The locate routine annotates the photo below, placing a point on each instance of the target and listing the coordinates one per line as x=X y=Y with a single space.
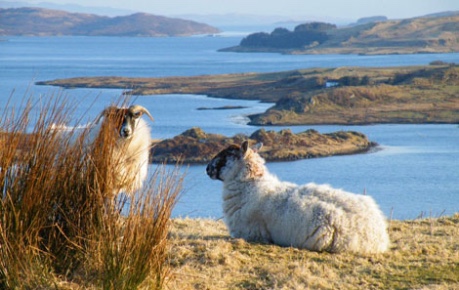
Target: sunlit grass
x=424 y=255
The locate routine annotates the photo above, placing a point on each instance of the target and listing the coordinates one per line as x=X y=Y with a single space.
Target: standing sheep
x=259 y=207
x=118 y=144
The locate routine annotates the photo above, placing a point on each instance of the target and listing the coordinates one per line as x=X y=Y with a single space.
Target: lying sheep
x=258 y=207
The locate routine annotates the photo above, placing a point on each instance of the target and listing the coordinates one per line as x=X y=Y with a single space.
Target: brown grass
x=58 y=226
x=424 y=255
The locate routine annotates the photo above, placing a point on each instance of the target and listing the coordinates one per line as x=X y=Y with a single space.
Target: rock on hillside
x=47 y=22
x=196 y=146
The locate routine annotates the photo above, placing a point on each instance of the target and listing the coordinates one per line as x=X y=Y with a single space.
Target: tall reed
x=58 y=218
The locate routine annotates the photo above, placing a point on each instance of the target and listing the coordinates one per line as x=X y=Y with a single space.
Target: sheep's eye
x=137 y=115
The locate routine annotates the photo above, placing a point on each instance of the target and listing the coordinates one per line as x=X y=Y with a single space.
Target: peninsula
x=344 y=95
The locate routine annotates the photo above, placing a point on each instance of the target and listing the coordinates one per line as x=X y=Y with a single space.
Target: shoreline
x=371 y=51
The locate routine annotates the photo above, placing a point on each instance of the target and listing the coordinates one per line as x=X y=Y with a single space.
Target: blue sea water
x=416 y=172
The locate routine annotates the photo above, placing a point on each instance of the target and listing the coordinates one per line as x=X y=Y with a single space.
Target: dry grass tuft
x=58 y=226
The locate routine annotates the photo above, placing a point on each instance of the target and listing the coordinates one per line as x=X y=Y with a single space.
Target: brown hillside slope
x=415 y=35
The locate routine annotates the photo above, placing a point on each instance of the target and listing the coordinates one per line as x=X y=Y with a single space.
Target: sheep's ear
x=257 y=147
x=244 y=147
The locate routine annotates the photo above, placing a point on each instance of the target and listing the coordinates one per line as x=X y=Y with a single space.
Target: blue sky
x=346 y=9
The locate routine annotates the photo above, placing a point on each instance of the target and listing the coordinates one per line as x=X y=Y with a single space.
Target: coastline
x=359 y=95
x=343 y=50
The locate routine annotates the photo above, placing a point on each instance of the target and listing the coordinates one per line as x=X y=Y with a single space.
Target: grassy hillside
x=424 y=255
x=368 y=96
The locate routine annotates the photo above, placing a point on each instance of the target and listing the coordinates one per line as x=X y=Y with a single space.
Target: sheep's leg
x=319 y=240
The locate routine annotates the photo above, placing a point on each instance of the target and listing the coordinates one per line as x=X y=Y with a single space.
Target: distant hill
x=371 y=19
x=428 y=34
x=69 y=7
x=47 y=22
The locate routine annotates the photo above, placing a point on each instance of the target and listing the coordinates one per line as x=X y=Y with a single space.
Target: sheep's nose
x=210 y=170
x=125 y=132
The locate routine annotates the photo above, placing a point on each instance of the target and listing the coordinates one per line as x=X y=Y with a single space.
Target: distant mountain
x=47 y=22
x=76 y=8
x=429 y=34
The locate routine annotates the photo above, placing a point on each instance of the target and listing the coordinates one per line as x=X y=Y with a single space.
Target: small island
x=197 y=146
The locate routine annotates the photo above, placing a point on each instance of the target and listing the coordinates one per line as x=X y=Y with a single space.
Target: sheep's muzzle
x=212 y=171
x=216 y=165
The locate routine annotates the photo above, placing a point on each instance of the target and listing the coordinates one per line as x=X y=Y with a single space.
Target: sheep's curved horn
x=141 y=109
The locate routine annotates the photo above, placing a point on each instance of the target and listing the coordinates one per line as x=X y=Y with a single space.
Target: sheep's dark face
x=237 y=159
x=130 y=121
x=125 y=120
x=223 y=162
